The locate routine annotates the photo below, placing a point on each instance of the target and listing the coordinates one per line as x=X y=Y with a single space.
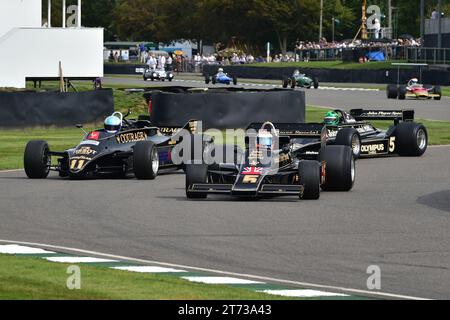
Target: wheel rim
x=421 y=139
x=155 y=161
x=356 y=145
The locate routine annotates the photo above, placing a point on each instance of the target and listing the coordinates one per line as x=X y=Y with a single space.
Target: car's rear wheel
x=293 y=83
x=213 y=79
x=285 y=83
x=411 y=139
x=145 y=160
x=437 y=90
x=36 y=159
x=309 y=178
x=402 y=92
x=392 y=91
x=316 y=83
x=349 y=137
x=235 y=80
x=196 y=173
x=340 y=171
x=207 y=79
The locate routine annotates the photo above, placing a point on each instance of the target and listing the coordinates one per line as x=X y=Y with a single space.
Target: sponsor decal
x=85 y=151
x=332 y=133
x=384 y=114
x=252 y=171
x=94 y=135
x=131 y=137
x=168 y=130
x=89 y=142
x=373 y=148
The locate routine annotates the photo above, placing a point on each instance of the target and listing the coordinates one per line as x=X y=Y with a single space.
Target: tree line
x=249 y=23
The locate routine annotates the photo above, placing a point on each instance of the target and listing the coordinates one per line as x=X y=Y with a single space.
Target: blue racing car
x=221 y=77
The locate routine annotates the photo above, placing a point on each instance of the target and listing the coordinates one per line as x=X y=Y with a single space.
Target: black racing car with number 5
x=404 y=138
x=122 y=147
x=282 y=159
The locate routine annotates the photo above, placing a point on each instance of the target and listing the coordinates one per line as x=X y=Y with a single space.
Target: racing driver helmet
x=332 y=118
x=113 y=123
x=264 y=140
x=413 y=82
x=220 y=70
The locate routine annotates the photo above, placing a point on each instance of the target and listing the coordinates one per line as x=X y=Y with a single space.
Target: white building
x=29 y=50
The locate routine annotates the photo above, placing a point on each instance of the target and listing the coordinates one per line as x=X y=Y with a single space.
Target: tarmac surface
x=396 y=217
x=329 y=95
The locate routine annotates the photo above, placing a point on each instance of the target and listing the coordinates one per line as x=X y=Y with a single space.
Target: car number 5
x=391 y=144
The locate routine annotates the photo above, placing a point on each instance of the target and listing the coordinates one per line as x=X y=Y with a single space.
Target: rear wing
x=295 y=130
x=395 y=115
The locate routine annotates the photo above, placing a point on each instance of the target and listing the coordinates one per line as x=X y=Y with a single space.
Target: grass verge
x=12 y=142
x=27 y=278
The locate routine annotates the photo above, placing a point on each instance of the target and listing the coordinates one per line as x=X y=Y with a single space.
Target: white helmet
x=220 y=69
x=413 y=81
x=113 y=123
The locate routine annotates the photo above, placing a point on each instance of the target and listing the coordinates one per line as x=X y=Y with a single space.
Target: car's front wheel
x=309 y=178
x=340 y=171
x=196 y=173
x=145 y=160
x=36 y=159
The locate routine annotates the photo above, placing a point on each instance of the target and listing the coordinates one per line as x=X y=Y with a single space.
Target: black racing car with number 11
x=122 y=147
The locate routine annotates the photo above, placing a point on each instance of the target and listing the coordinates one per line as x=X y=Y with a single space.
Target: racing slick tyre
x=145 y=160
x=196 y=173
x=207 y=79
x=36 y=159
x=349 y=137
x=316 y=83
x=411 y=139
x=213 y=79
x=309 y=178
x=145 y=78
x=234 y=80
x=339 y=168
x=392 y=91
x=293 y=83
x=402 y=92
x=437 y=90
x=285 y=83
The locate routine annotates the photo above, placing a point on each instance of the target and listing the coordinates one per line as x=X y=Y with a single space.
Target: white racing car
x=158 y=74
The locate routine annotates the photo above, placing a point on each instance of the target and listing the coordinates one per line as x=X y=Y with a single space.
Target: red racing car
x=413 y=90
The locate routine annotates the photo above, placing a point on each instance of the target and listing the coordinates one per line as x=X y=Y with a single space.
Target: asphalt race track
x=397 y=217
x=333 y=97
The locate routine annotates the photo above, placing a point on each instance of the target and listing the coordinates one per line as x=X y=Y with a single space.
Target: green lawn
x=331 y=65
x=34 y=278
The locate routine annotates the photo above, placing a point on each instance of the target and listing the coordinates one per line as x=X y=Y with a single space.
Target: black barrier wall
x=137 y=69
x=335 y=75
x=28 y=109
x=227 y=109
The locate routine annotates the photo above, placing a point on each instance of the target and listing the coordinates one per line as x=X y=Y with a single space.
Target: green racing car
x=301 y=80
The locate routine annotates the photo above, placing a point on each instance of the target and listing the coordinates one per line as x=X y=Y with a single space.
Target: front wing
x=268 y=190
